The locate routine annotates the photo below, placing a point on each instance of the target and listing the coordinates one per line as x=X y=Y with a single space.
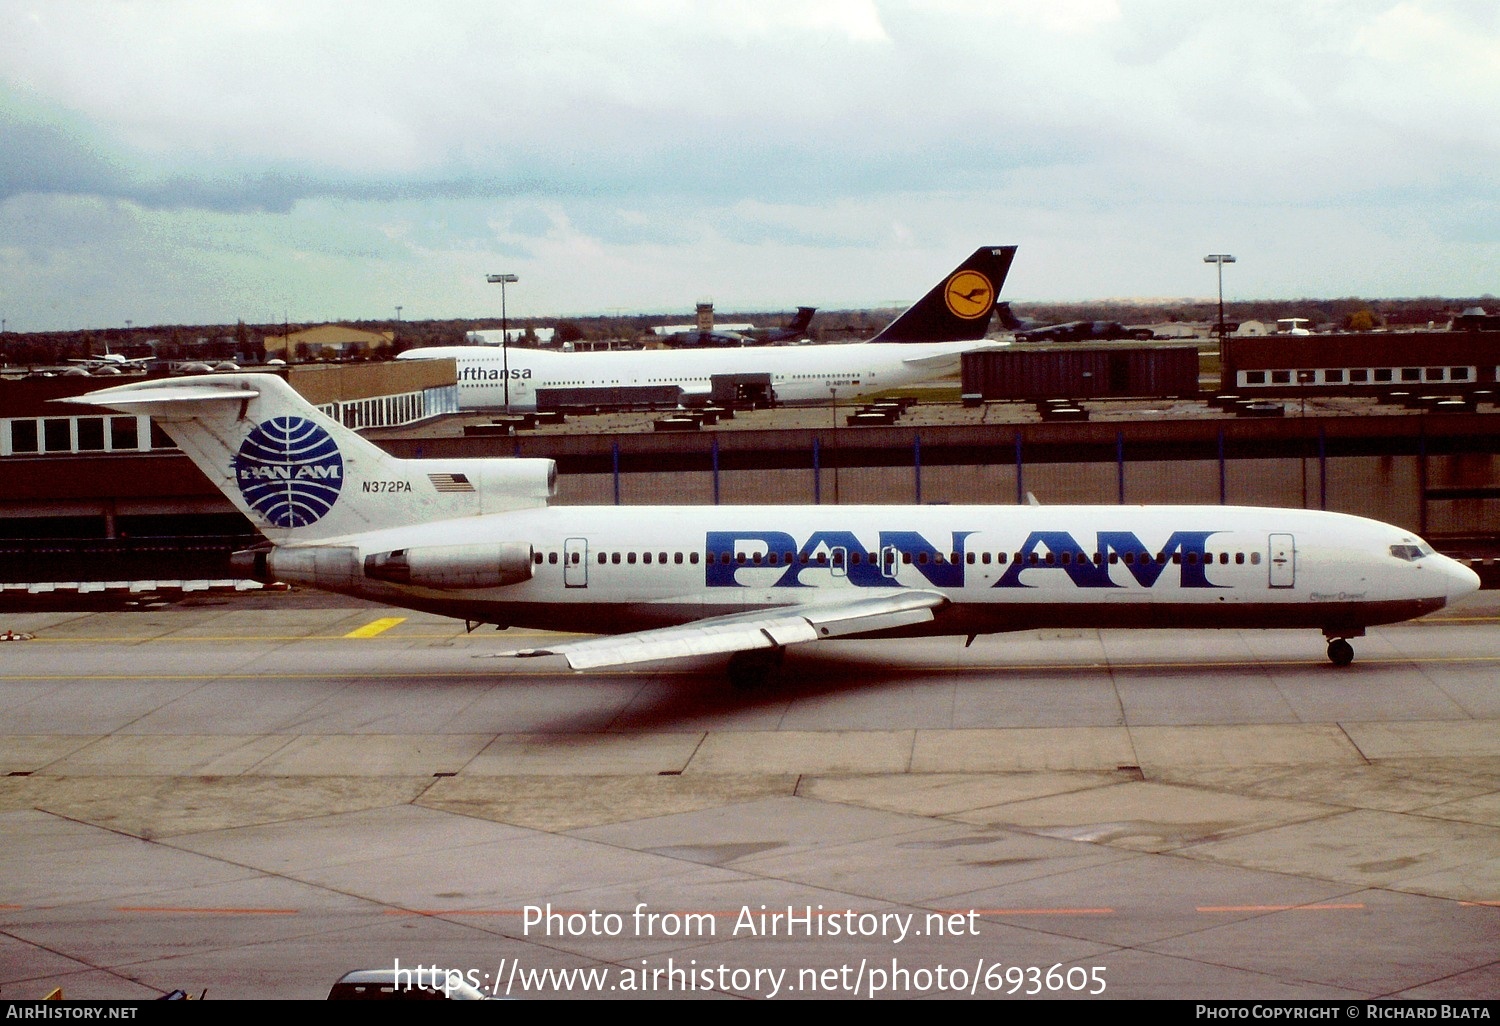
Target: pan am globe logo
x=289 y=470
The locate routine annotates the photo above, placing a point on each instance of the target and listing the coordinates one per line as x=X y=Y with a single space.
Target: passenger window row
x=907 y=559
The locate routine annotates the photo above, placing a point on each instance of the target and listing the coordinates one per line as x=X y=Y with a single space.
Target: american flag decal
x=450 y=482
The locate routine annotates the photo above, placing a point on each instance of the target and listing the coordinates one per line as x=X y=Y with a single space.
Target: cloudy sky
x=182 y=161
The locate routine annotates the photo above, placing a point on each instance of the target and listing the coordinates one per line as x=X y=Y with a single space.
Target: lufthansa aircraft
x=925 y=342
x=476 y=539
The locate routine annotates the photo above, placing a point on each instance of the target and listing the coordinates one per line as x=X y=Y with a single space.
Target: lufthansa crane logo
x=969 y=295
x=290 y=471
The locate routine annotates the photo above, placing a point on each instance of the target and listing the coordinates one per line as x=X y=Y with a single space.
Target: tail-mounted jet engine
x=453 y=567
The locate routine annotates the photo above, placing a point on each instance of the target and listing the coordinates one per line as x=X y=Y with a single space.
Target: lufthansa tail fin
x=958 y=308
x=300 y=476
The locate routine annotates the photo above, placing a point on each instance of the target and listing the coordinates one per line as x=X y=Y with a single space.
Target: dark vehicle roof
x=382 y=985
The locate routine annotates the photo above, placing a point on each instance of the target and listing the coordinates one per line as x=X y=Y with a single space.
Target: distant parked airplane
x=795 y=329
x=112 y=362
x=1068 y=331
x=925 y=342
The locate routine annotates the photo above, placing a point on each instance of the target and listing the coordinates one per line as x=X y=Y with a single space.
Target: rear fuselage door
x=576 y=563
x=1283 y=559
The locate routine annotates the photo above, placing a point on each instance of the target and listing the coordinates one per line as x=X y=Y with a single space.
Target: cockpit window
x=1411 y=553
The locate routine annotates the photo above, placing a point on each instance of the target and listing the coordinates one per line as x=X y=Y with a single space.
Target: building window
x=23 y=436
x=90 y=434
x=57 y=435
x=123 y=434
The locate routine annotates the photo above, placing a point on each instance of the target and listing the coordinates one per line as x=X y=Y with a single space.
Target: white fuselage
x=799 y=374
x=613 y=569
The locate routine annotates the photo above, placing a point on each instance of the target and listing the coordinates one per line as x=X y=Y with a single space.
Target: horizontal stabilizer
x=163 y=396
x=952 y=358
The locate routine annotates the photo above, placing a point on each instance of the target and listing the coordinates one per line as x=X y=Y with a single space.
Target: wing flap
x=746 y=632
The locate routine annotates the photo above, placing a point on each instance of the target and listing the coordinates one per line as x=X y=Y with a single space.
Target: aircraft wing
x=743 y=632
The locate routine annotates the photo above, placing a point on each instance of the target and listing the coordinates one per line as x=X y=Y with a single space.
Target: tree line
x=245 y=343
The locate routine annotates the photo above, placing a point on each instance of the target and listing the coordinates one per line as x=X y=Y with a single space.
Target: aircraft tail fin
x=958 y=308
x=804 y=317
x=300 y=476
x=1008 y=320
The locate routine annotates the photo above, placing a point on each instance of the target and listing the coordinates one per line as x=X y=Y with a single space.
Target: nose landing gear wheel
x=1340 y=652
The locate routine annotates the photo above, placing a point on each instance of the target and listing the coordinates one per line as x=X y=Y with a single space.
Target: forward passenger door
x=1283 y=560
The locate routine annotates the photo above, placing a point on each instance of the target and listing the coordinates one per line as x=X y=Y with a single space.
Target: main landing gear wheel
x=753 y=669
x=1340 y=652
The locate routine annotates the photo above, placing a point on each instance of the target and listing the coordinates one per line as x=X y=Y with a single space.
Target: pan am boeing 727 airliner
x=476 y=539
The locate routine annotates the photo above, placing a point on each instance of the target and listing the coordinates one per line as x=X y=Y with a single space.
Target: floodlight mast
x=502 y=280
x=1221 y=259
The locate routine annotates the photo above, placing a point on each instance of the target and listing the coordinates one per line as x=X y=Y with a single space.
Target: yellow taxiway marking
x=375 y=627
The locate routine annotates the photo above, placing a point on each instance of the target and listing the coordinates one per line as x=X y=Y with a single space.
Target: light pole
x=1221 y=259
x=503 y=280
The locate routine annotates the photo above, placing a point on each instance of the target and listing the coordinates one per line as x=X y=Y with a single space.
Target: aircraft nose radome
x=1461 y=580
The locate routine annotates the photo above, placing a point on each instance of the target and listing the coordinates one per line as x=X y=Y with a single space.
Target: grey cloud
x=44 y=158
